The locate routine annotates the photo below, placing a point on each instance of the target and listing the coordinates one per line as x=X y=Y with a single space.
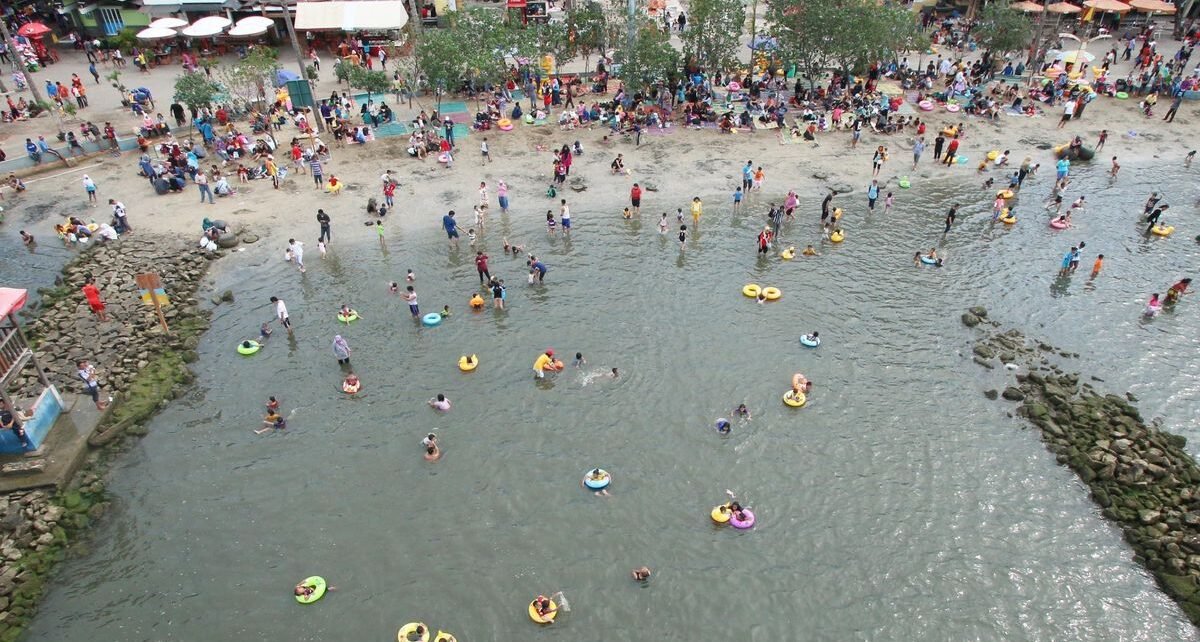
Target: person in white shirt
x=296 y=249
x=281 y=313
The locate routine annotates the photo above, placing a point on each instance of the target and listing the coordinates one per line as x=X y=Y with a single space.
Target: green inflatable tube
x=317 y=584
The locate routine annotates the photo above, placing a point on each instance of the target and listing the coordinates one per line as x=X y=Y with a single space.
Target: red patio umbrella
x=33 y=30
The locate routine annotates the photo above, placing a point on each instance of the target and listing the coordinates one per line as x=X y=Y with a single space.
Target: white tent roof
x=351 y=16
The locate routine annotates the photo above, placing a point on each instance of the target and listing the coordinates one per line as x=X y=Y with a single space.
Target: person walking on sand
x=877 y=160
x=952 y=150
x=323 y=219
x=1175 y=103
x=1103 y=137
x=318 y=174
x=202 y=185
x=89 y=186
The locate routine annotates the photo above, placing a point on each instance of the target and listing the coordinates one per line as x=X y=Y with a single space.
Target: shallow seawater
x=899 y=504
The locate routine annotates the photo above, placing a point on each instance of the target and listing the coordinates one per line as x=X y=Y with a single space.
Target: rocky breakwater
x=1140 y=476
x=142 y=366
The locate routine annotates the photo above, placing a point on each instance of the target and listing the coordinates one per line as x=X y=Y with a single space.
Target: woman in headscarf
x=341 y=350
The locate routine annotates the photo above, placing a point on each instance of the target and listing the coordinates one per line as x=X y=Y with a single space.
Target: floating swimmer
x=273 y=421
x=543 y=610
x=1154 y=306
x=440 y=402
x=809 y=251
x=742 y=411
x=311 y=589
x=445 y=311
x=433 y=451
x=597 y=480
x=723 y=426
x=800 y=383
x=351 y=385
x=641 y=574
x=811 y=340
x=347 y=314
x=476 y=302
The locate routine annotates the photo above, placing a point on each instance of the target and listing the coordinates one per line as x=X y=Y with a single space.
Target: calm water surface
x=899 y=505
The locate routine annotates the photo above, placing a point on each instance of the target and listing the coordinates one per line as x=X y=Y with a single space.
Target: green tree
x=651 y=60
x=1002 y=29
x=587 y=27
x=195 y=90
x=799 y=31
x=248 y=78
x=861 y=32
x=714 y=33
x=372 y=82
x=442 y=60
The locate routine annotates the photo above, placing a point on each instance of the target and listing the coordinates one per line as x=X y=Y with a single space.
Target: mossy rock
x=72 y=499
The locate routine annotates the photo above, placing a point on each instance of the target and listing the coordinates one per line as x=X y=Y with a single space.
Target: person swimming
x=815 y=337
x=347 y=311
x=641 y=574
x=273 y=421
x=809 y=251
x=742 y=411
x=476 y=302
x=351 y=384
x=445 y=311
x=433 y=451
x=723 y=426
x=1154 y=306
x=579 y=360
x=440 y=402
x=264 y=332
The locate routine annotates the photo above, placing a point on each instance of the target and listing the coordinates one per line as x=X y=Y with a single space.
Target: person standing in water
x=635 y=199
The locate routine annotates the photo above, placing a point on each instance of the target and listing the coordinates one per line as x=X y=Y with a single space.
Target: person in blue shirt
x=537 y=267
x=51 y=90
x=737 y=199
x=872 y=194
x=33 y=151
x=748 y=176
x=451 y=227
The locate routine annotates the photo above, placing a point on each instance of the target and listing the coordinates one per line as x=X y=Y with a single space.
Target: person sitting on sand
x=618 y=164
x=440 y=402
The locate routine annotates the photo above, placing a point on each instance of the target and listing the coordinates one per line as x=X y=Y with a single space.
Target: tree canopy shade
x=651 y=59
x=848 y=35
x=587 y=28
x=474 y=49
x=1001 y=28
x=372 y=82
x=195 y=90
x=714 y=33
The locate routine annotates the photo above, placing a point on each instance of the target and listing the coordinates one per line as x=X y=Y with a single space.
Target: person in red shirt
x=110 y=134
x=297 y=158
x=952 y=150
x=389 y=191
x=481 y=266
x=92 y=293
x=635 y=199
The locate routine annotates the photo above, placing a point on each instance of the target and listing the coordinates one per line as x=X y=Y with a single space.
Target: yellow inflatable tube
x=794 y=399
x=468 y=364
x=720 y=514
x=772 y=293
x=406 y=631
x=837 y=237
x=751 y=290
x=788 y=254
x=533 y=614
x=442 y=636
x=1162 y=230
